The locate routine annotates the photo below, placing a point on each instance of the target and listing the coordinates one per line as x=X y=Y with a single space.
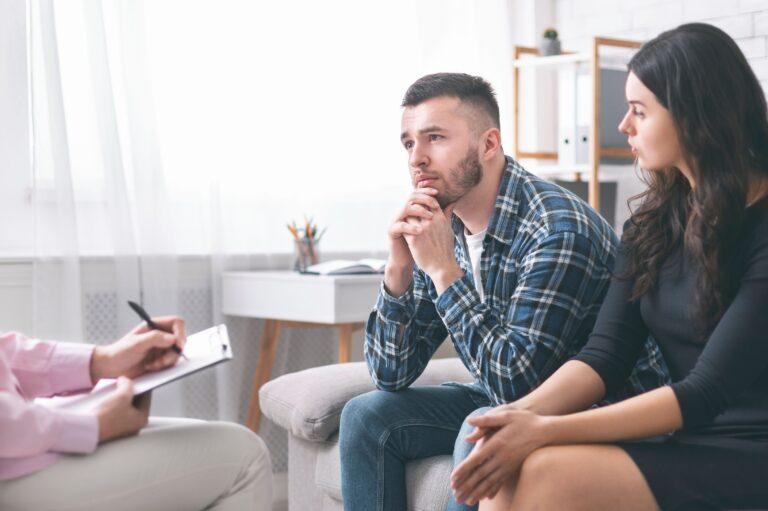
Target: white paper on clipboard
x=203 y=349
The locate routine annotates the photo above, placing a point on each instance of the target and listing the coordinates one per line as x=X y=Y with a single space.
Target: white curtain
x=293 y=106
x=171 y=129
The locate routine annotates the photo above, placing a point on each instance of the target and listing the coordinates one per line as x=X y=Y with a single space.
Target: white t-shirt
x=475 y=247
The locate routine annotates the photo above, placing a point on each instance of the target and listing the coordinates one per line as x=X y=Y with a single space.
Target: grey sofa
x=308 y=404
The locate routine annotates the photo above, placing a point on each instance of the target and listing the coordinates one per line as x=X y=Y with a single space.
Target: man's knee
x=462 y=448
x=363 y=418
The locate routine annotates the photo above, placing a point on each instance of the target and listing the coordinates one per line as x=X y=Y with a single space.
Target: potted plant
x=550 y=44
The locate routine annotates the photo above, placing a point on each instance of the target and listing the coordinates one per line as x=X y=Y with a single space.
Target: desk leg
x=345 y=341
x=263 y=369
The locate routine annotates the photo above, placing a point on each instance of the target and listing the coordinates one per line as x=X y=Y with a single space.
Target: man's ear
x=490 y=143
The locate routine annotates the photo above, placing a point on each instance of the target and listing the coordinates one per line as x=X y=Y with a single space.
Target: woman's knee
x=581 y=477
x=550 y=476
x=540 y=466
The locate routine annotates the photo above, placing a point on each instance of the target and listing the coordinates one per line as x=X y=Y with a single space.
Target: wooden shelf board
x=557 y=170
x=606 y=61
x=552 y=60
x=616 y=152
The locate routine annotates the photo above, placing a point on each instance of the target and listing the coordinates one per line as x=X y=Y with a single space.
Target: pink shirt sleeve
x=31 y=368
x=45 y=368
x=27 y=429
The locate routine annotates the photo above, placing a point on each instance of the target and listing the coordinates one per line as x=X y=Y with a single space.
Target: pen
x=293 y=231
x=152 y=325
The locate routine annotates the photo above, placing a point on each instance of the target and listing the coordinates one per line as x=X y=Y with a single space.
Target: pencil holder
x=305 y=253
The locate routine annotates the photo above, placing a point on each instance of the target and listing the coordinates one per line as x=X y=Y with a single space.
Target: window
x=251 y=114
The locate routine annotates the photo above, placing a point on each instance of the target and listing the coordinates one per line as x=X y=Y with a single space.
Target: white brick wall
x=744 y=20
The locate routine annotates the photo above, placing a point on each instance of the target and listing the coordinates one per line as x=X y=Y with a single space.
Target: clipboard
x=203 y=350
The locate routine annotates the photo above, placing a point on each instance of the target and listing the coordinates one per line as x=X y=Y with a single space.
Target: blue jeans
x=461 y=450
x=381 y=431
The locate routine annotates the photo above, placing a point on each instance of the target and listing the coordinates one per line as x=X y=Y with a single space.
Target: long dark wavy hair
x=698 y=73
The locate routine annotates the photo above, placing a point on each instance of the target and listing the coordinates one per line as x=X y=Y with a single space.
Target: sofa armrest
x=308 y=403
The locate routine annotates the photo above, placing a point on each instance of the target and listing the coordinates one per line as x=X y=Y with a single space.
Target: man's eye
x=434 y=137
x=408 y=144
x=638 y=113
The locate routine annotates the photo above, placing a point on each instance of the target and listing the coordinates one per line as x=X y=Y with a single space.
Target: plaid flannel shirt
x=545 y=268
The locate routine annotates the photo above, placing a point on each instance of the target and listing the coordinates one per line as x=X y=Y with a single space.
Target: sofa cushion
x=308 y=403
x=426 y=479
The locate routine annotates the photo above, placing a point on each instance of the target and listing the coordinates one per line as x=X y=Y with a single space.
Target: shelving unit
x=596 y=151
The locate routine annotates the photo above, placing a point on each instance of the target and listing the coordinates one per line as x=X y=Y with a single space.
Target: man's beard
x=461 y=179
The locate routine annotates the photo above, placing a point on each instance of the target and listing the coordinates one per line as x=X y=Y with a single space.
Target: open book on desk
x=346 y=267
x=203 y=349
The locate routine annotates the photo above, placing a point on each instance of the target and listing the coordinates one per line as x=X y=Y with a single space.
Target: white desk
x=288 y=299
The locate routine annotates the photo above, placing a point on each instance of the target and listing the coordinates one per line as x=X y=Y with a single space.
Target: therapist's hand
x=141 y=350
x=119 y=416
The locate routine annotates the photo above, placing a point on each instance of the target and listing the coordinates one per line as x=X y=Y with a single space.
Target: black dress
x=719 y=459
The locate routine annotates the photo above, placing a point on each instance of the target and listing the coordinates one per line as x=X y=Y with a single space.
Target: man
x=57 y=459
x=511 y=267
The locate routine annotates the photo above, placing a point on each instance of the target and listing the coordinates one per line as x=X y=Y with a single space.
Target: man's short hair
x=472 y=90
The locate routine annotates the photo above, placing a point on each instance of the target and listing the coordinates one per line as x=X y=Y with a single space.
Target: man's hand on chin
x=432 y=248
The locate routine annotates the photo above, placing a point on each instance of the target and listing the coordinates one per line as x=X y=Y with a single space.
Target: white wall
x=537 y=112
x=744 y=20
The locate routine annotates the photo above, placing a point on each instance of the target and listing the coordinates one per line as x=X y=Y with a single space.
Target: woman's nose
x=625 y=124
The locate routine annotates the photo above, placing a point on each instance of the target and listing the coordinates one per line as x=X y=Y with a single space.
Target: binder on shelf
x=583 y=114
x=566 y=116
x=575 y=113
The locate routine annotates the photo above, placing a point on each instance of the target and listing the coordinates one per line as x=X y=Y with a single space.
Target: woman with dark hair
x=692 y=272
